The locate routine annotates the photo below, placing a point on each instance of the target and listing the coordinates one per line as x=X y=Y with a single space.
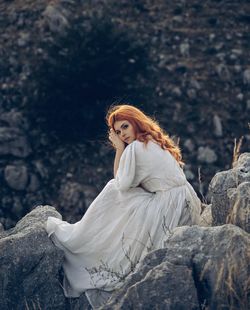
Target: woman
x=135 y=212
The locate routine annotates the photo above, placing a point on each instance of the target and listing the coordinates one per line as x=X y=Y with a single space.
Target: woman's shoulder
x=139 y=146
x=135 y=147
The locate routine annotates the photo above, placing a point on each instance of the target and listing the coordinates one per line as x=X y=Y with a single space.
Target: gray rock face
x=206 y=155
x=13 y=142
x=16 y=176
x=26 y=268
x=217 y=126
x=196 y=261
x=55 y=18
x=14 y=118
x=71 y=195
x=220 y=190
x=246 y=77
x=199 y=267
x=30 y=265
x=240 y=206
x=206 y=216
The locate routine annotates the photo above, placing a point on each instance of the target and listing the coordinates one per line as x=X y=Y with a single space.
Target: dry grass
x=35 y=306
x=204 y=200
x=236 y=151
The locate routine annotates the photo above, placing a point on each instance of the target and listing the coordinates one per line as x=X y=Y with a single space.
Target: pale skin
x=123 y=134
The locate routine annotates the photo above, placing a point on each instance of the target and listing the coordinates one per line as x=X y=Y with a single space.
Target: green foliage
x=84 y=71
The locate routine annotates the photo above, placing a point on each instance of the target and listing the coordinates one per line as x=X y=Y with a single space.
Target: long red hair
x=145 y=128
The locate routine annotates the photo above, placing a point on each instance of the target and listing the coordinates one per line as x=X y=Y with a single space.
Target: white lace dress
x=132 y=215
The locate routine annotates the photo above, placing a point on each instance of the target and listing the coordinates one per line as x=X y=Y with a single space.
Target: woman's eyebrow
x=121 y=125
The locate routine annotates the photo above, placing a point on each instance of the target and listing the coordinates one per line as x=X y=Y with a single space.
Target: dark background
x=63 y=63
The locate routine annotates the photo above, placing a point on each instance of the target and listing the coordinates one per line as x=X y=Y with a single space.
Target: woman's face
x=125 y=131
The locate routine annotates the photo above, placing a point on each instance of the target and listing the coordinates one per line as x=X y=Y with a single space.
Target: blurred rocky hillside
x=63 y=62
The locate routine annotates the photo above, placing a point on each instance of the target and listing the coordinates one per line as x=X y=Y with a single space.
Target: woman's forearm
x=118 y=155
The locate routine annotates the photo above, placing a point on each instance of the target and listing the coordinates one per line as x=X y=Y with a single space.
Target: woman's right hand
x=116 y=141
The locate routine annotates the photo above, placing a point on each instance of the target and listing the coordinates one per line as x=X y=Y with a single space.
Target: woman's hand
x=116 y=141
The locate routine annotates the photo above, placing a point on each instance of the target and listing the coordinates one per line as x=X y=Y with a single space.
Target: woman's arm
x=119 y=146
x=118 y=155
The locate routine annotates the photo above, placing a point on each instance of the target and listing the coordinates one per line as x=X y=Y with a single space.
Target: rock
x=14 y=118
x=206 y=216
x=198 y=266
x=90 y=193
x=17 y=208
x=23 y=40
x=191 y=92
x=237 y=68
x=16 y=176
x=246 y=77
x=160 y=289
x=240 y=96
x=207 y=257
x=189 y=145
x=239 y=213
x=30 y=265
x=219 y=46
x=248 y=104
x=71 y=195
x=184 y=49
x=13 y=142
x=206 y=155
x=177 y=91
x=221 y=186
x=223 y=72
x=212 y=37
x=34 y=183
x=41 y=169
x=195 y=84
x=189 y=174
x=217 y=126
x=55 y=19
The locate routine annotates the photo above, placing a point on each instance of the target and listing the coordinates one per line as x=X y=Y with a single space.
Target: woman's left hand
x=116 y=141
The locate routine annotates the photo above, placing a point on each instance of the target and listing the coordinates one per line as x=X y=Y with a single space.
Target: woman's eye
x=125 y=126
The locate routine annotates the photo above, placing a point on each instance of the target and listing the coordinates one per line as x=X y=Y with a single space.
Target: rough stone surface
x=199 y=267
x=217 y=126
x=30 y=266
x=16 y=176
x=206 y=216
x=198 y=67
x=71 y=197
x=220 y=190
x=14 y=118
x=239 y=213
x=206 y=155
x=214 y=261
x=13 y=142
x=55 y=18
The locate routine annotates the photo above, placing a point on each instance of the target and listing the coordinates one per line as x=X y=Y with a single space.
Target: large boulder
x=221 y=190
x=13 y=142
x=240 y=206
x=30 y=266
x=199 y=268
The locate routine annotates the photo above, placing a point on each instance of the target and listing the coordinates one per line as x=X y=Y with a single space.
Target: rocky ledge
x=200 y=267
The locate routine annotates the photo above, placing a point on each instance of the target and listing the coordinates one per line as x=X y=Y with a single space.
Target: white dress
x=132 y=215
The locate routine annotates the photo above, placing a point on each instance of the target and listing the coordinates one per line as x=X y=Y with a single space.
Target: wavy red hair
x=145 y=128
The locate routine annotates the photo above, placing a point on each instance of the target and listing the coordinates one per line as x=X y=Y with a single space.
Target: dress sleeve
x=126 y=171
